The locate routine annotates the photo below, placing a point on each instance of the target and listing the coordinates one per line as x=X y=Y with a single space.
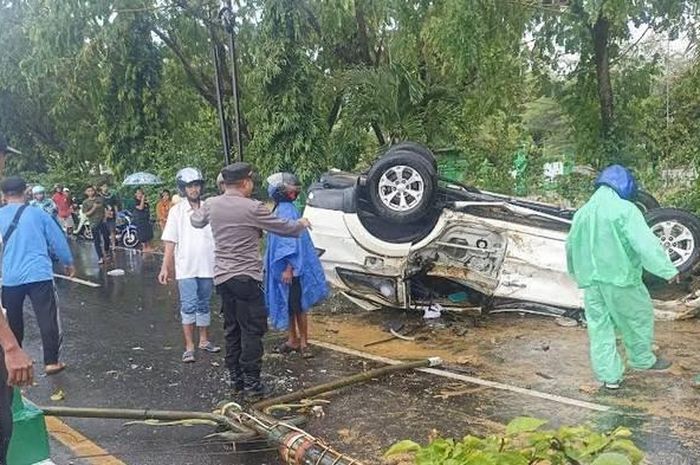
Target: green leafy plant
x=526 y=443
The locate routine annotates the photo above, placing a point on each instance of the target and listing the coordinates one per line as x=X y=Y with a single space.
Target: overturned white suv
x=400 y=236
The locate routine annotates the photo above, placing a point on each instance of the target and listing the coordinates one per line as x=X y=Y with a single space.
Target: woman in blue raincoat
x=294 y=278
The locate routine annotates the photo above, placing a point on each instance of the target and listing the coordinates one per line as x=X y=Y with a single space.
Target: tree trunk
x=600 y=33
x=378 y=133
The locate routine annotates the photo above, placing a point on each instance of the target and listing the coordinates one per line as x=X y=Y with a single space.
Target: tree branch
x=335 y=111
x=195 y=78
x=378 y=133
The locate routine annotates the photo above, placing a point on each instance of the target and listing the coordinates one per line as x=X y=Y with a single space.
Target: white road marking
x=470 y=379
x=77 y=280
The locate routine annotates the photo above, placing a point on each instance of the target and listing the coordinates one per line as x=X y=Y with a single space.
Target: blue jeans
x=195 y=296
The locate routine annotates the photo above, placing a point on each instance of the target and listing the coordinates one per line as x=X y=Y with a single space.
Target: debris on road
x=447 y=394
x=243 y=425
x=58 y=396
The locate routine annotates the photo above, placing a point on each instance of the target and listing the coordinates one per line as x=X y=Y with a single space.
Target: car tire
x=414 y=148
x=646 y=202
x=401 y=187
x=679 y=233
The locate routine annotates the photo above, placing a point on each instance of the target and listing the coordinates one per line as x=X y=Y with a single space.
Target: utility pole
x=228 y=18
x=220 y=98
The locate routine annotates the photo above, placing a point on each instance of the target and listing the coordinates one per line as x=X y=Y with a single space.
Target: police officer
x=237 y=222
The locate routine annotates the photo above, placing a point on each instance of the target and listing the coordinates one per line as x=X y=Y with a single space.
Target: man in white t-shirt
x=191 y=250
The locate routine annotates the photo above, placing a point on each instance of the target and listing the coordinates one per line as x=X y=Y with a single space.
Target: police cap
x=237 y=172
x=14 y=185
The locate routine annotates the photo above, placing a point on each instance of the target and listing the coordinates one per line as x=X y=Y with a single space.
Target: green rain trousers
x=608 y=247
x=627 y=310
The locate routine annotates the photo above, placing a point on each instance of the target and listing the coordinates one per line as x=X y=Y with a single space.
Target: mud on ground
x=534 y=353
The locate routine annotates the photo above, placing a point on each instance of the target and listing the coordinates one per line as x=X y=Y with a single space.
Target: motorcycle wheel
x=86 y=233
x=130 y=239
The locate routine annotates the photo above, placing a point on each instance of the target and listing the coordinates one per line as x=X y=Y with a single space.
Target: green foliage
x=524 y=443
x=128 y=86
x=288 y=122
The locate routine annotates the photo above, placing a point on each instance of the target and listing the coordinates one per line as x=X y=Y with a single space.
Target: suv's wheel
x=646 y=202
x=401 y=186
x=414 y=148
x=679 y=233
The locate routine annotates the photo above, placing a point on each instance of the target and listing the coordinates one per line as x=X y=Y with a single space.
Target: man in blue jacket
x=294 y=279
x=27 y=270
x=15 y=365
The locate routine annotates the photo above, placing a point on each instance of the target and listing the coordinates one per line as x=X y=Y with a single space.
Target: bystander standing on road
x=142 y=220
x=15 y=366
x=112 y=204
x=190 y=251
x=237 y=223
x=61 y=197
x=294 y=277
x=608 y=248
x=163 y=207
x=27 y=268
x=94 y=209
x=39 y=200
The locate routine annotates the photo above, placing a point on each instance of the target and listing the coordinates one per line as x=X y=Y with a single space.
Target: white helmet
x=187 y=176
x=38 y=190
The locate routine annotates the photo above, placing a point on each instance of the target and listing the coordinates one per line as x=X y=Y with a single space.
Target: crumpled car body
x=493 y=255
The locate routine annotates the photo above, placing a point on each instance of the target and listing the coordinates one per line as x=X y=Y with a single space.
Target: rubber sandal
x=210 y=347
x=55 y=369
x=188 y=356
x=285 y=348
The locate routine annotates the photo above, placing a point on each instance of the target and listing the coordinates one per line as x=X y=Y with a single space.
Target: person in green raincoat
x=608 y=248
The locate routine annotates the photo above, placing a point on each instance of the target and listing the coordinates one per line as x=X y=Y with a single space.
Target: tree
x=129 y=110
x=289 y=131
x=595 y=31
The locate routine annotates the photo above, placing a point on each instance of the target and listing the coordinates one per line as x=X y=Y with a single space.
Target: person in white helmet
x=190 y=251
x=40 y=200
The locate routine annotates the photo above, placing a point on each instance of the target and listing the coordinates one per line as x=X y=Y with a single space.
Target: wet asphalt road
x=123 y=346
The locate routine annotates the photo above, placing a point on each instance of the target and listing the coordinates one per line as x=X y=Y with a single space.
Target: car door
x=463 y=248
x=534 y=267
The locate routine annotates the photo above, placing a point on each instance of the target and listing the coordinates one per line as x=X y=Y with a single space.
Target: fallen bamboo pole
x=147 y=414
x=344 y=382
x=295 y=445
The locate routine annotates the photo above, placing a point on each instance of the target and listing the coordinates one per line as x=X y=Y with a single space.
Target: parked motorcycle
x=126 y=230
x=126 y=233
x=82 y=227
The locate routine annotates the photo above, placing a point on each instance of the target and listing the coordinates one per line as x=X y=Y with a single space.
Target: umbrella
x=142 y=179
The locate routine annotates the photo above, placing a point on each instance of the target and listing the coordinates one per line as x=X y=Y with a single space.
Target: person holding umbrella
x=142 y=220
x=142 y=209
